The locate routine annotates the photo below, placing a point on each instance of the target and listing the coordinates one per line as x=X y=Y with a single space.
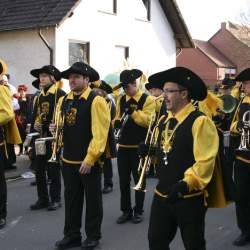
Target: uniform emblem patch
x=71 y=117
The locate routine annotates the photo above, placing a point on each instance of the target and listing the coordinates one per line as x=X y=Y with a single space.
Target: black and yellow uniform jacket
x=135 y=128
x=243 y=106
x=190 y=143
x=86 y=126
x=44 y=107
x=8 y=128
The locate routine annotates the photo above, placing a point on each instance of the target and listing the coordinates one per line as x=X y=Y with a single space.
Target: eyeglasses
x=169 y=91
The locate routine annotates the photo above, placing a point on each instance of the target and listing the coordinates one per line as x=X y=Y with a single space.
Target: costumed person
x=43 y=114
x=85 y=127
x=8 y=134
x=138 y=107
x=103 y=89
x=22 y=113
x=240 y=126
x=186 y=162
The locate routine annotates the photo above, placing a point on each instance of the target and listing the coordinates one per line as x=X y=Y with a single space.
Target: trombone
x=146 y=161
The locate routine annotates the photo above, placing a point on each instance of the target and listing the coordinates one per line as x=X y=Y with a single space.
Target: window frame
x=87 y=43
x=114 y=11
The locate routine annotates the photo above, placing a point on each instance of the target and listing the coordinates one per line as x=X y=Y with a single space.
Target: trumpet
x=245 y=135
x=146 y=161
x=118 y=131
x=57 y=137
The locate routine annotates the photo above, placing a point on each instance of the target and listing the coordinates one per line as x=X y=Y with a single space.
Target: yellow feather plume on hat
x=235 y=92
x=3 y=67
x=211 y=104
x=59 y=84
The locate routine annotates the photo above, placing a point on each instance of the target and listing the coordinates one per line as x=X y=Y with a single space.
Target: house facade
x=207 y=61
x=101 y=33
x=226 y=53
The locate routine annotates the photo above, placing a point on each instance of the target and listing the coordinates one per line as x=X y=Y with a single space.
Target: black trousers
x=11 y=155
x=242 y=180
x=108 y=172
x=187 y=214
x=53 y=171
x=3 y=187
x=76 y=187
x=128 y=161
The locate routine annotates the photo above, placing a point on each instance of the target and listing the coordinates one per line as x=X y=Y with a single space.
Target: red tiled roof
x=213 y=54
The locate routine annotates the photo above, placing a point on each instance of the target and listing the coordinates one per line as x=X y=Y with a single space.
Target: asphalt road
x=38 y=230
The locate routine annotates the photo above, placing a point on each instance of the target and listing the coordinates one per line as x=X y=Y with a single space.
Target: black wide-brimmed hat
x=243 y=75
x=151 y=85
x=184 y=77
x=36 y=83
x=128 y=76
x=227 y=82
x=100 y=84
x=48 y=69
x=81 y=69
x=3 y=67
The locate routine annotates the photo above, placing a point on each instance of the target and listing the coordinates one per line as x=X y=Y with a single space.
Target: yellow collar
x=51 y=90
x=182 y=114
x=136 y=97
x=246 y=99
x=84 y=95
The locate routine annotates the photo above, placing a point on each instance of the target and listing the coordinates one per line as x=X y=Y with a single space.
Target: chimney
x=224 y=25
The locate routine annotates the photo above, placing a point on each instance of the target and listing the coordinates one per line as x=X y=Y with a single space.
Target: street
x=39 y=230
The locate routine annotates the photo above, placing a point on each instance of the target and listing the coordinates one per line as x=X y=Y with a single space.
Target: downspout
x=51 y=52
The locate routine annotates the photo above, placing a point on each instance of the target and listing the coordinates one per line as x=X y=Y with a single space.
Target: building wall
x=236 y=51
x=195 y=60
x=24 y=50
x=151 y=44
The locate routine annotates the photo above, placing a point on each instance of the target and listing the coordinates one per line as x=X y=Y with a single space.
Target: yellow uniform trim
x=184 y=196
x=100 y=122
x=242 y=159
x=71 y=162
x=140 y=117
x=205 y=150
x=6 y=109
x=52 y=90
x=127 y=146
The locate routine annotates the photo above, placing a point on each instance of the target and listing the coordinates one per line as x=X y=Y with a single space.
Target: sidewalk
x=22 y=164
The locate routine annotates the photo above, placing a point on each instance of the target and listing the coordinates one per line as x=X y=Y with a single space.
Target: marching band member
x=85 y=132
x=187 y=160
x=43 y=113
x=138 y=107
x=103 y=89
x=242 y=162
x=8 y=134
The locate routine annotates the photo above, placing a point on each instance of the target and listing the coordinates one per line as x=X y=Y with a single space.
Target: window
x=121 y=53
x=143 y=9
x=78 y=52
x=109 y=6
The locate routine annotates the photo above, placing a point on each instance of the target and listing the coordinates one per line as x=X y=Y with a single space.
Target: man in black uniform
x=85 y=131
x=43 y=113
x=242 y=162
x=139 y=107
x=186 y=162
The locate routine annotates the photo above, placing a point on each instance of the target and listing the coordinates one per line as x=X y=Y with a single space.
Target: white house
x=100 y=32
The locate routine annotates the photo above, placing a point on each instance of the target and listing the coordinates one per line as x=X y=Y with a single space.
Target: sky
x=203 y=17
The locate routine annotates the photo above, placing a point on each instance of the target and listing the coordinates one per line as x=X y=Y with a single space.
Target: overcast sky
x=203 y=17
